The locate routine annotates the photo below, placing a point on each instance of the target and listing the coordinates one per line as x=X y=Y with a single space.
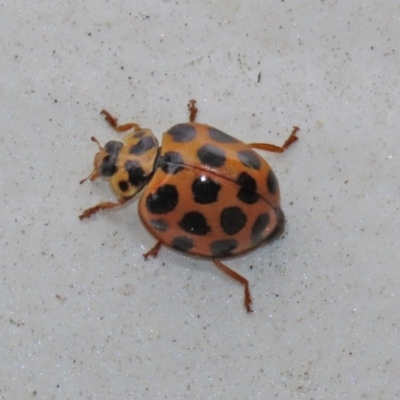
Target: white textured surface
x=83 y=316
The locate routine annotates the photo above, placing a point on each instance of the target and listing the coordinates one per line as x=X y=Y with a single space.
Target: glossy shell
x=211 y=195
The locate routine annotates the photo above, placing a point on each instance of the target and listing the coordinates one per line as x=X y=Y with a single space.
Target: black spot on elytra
x=137 y=176
x=223 y=248
x=233 y=220
x=248 y=188
x=159 y=224
x=205 y=190
x=220 y=136
x=249 y=159
x=258 y=227
x=138 y=135
x=163 y=200
x=170 y=162
x=182 y=243
x=272 y=183
x=195 y=223
x=182 y=133
x=143 y=145
x=212 y=156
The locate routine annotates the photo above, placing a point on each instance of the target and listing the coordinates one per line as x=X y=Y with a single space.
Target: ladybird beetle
x=205 y=193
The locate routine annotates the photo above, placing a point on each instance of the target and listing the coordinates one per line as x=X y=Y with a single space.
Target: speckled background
x=83 y=316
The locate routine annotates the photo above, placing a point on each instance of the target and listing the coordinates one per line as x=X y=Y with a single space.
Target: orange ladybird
x=205 y=193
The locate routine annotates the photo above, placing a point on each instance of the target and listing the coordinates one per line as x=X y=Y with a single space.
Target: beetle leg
x=277 y=149
x=153 y=251
x=113 y=122
x=240 y=279
x=192 y=110
x=101 y=206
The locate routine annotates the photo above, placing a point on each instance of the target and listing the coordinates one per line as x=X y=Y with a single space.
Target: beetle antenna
x=93 y=139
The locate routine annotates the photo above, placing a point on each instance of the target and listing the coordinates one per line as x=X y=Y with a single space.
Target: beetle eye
x=108 y=166
x=113 y=147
